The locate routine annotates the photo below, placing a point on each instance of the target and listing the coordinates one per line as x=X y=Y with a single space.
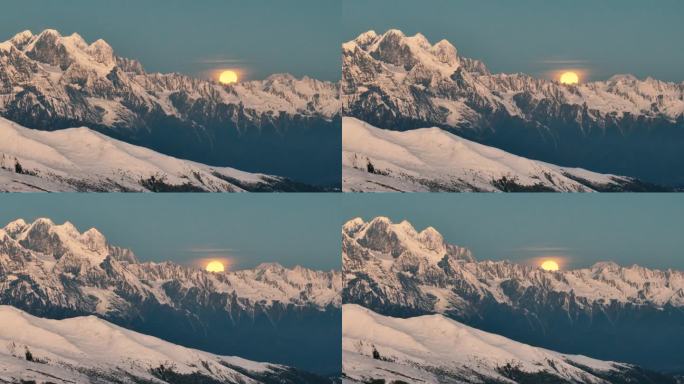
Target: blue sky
x=292 y=229
x=644 y=229
x=601 y=37
x=261 y=37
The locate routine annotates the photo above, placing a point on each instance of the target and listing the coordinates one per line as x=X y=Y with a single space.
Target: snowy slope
x=79 y=159
x=435 y=349
x=88 y=349
x=432 y=159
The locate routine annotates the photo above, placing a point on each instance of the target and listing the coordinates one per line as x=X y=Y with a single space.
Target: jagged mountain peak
x=52 y=48
x=622 y=77
x=59 y=240
x=605 y=265
x=15 y=226
x=353 y=225
x=270 y=267
x=366 y=38
x=21 y=39
x=410 y=51
x=402 y=241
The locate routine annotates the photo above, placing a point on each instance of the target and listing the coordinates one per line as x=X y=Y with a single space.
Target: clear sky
x=301 y=37
x=292 y=229
x=602 y=37
x=644 y=229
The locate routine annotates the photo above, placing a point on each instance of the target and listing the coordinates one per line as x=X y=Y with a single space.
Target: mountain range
x=432 y=159
x=436 y=349
x=277 y=125
x=623 y=125
x=89 y=349
x=609 y=312
x=269 y=313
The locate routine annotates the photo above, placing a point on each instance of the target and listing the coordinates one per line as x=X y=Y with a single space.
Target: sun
x=549 y=265
x=228 y=77
x=569 y=78
x=215 y=266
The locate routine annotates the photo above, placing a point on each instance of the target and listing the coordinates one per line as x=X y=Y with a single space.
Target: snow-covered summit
x=61 y=241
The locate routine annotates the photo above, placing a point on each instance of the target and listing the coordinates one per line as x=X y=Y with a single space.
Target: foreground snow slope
x=88 y=349
x=79 y=159
x=435 y=349
x=431 y=159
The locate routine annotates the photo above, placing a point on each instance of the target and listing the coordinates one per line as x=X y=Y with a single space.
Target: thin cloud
x=545 y=249
x=564 y=62
x=220 y=61
x=210 y=250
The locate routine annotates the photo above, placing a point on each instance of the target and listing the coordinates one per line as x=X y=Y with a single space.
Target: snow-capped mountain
x=79 y=159
x=49 y=81
x=432 y=159
x=607 y=311
x=436 y=349
x=89 y=349
x=55 y=271
x=622 y=125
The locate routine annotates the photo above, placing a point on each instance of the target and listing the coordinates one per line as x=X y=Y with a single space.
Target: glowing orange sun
x=569 y=78
x=228 y=77
x=215 y=266
x=549 y=265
